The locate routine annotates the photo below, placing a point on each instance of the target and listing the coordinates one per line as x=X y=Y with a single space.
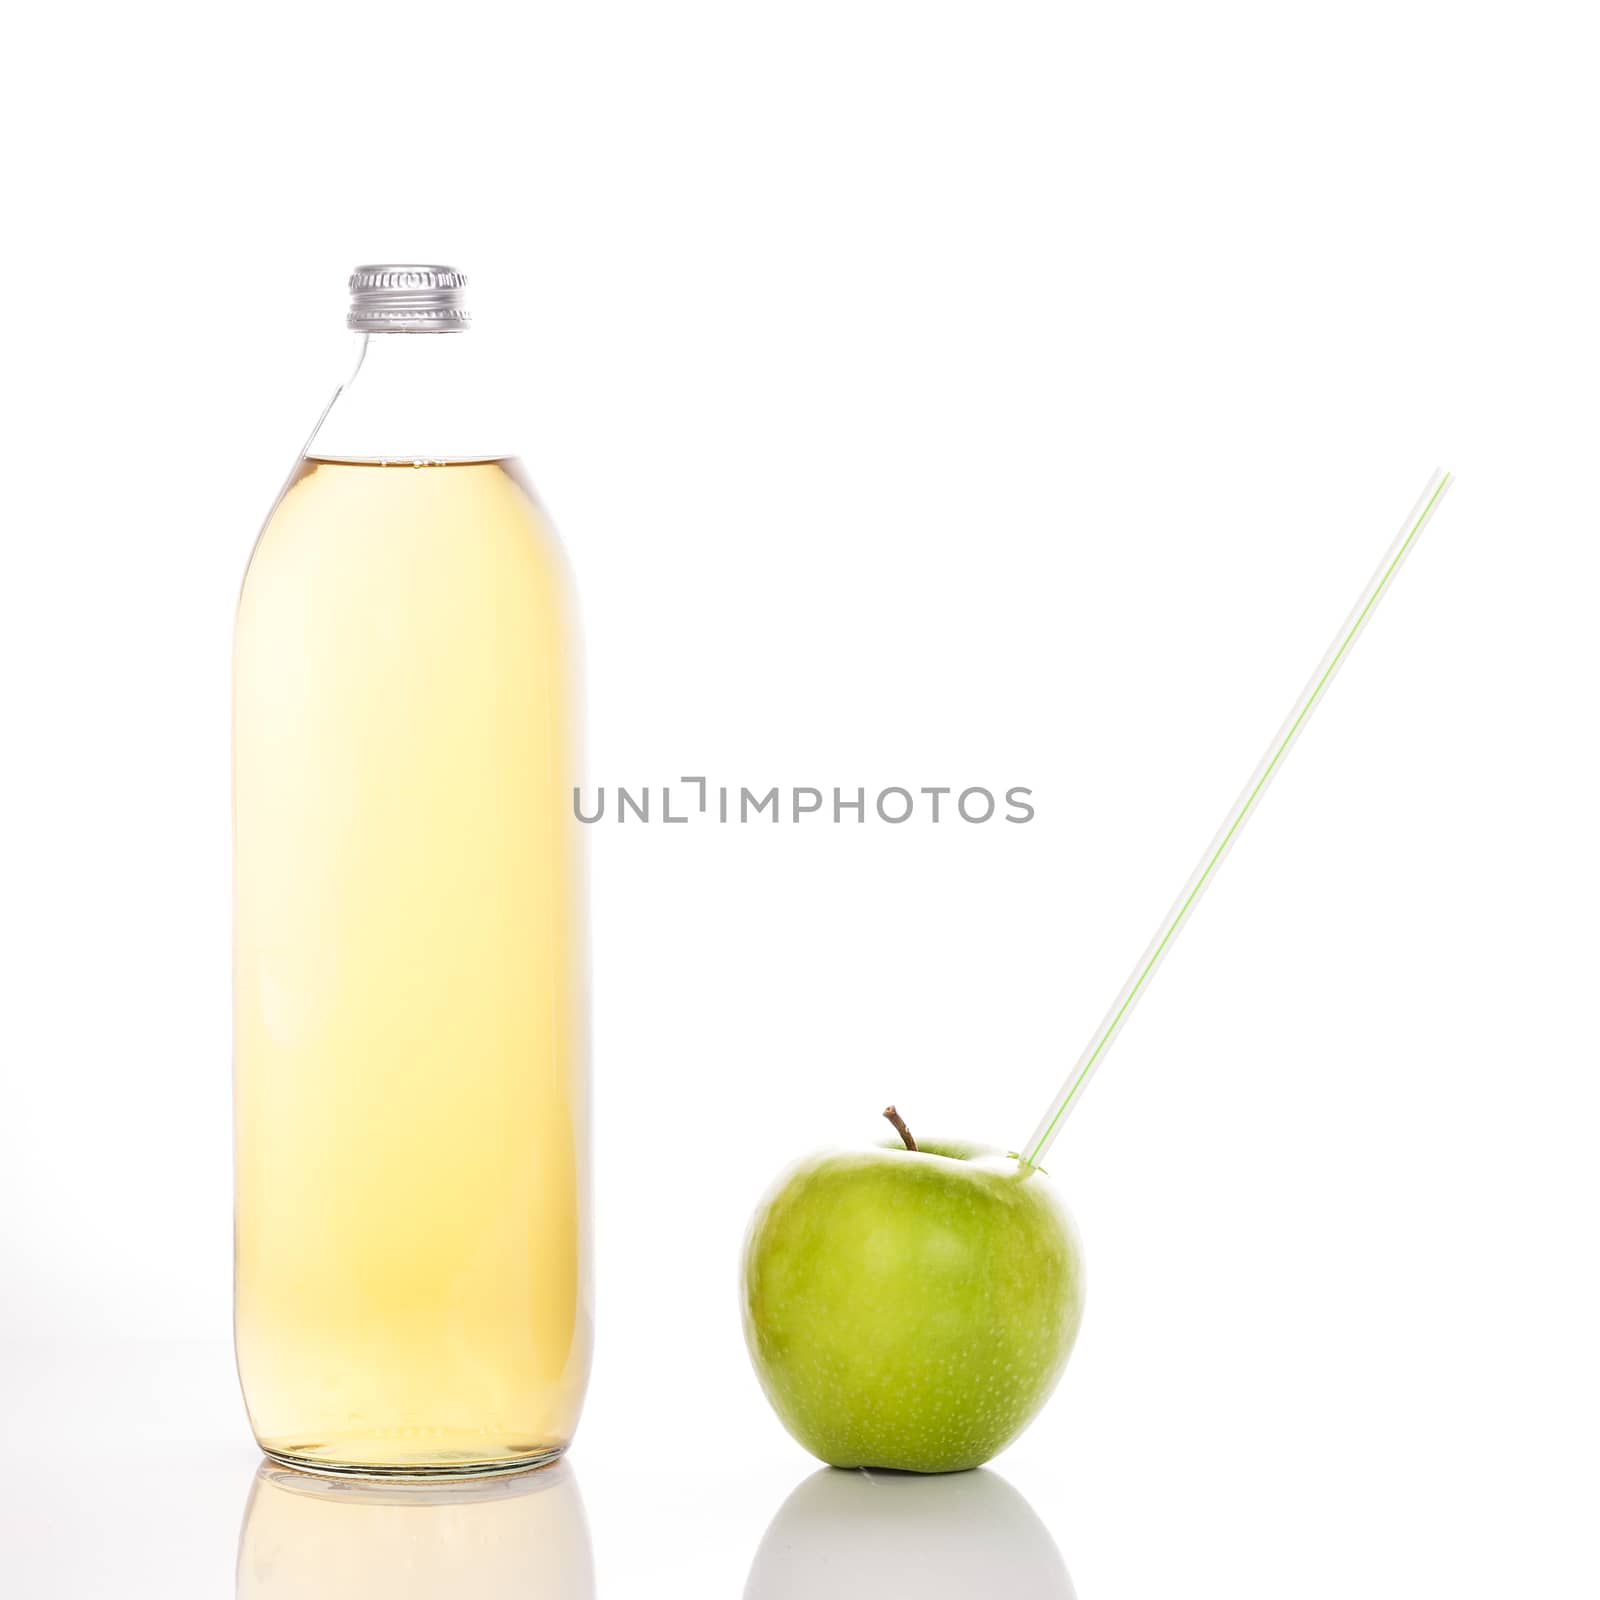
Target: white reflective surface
x=521 y=1538
x=862 y=1536
x=126 y=1471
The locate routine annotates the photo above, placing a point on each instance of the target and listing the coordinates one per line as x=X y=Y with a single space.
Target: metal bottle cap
x=395 y=295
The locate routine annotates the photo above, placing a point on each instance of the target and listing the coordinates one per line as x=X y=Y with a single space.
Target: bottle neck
x=421 y=396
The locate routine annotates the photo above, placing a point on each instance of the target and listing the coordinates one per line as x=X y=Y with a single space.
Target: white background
x=928 y=394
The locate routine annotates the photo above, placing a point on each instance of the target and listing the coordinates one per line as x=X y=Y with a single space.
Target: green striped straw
x=1100 y=1041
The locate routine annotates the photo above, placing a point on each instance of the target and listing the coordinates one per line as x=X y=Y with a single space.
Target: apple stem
x=897 y=1122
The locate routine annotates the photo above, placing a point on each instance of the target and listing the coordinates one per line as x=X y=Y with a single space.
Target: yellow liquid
x=411 y=1244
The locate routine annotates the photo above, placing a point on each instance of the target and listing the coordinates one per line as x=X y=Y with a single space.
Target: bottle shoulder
x=338 y=519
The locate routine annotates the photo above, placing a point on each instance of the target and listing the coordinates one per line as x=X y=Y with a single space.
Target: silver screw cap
x=404 y=295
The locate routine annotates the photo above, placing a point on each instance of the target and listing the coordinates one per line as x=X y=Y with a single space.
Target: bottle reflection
x=314 y=1538
x=855 y=1535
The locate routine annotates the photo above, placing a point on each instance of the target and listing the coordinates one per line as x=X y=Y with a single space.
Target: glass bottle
x=412 y=1275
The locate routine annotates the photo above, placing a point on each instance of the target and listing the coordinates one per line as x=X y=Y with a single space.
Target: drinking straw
x=1144 y=970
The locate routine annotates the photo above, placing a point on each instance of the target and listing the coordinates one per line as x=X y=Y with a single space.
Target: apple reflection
x=317 y=1538
x=864 y=1535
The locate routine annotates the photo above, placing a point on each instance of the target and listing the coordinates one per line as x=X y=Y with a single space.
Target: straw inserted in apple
x=1100 y=1041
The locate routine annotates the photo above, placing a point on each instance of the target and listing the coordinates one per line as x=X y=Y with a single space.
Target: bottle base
x=421 y=1471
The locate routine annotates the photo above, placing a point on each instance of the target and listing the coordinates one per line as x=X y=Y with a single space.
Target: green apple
x=912 y=1307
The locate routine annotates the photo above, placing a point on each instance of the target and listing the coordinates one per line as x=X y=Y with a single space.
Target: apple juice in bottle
x=412 y=1281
